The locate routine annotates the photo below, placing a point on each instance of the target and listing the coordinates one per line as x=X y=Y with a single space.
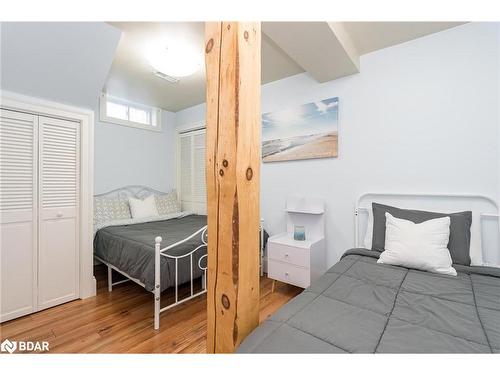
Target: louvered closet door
x=192 y=171
x=199 y=182
x=185 y=172
x=18 y=177
x=59 y=170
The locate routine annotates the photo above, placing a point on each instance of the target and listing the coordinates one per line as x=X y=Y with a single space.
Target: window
x=191 y=171
x=122 y=112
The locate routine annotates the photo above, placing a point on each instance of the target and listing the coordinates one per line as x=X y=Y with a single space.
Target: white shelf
x=287 y=239
x=304 y=205
x=292 y=211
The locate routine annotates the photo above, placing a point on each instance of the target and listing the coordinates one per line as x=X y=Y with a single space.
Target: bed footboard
x=159 y=252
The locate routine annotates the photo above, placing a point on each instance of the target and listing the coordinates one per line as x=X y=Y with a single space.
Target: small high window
x=122 y=112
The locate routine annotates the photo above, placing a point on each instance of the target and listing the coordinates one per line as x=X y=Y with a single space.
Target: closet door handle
x=59 y=214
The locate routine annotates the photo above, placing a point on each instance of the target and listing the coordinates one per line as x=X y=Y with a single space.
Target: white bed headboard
x=485 y=229
x=134 y=191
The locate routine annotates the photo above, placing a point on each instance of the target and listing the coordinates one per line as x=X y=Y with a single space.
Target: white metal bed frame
x=141 y=192
x=485 y=239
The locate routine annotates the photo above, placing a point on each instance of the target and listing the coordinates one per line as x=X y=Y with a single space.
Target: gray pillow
x=460 y=222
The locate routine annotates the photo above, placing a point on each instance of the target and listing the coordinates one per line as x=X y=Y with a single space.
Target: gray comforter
x=130 y=248
x=360 y=306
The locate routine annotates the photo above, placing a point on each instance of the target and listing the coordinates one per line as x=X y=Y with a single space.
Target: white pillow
x=143 y=208
x=422 y=246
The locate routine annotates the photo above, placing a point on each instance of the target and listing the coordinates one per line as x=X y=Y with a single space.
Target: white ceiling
x=371 y=36
x=131 y=76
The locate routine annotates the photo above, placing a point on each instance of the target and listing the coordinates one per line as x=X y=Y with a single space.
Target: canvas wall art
x=308 y=131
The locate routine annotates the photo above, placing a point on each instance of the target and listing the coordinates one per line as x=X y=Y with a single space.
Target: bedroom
x=411 y=113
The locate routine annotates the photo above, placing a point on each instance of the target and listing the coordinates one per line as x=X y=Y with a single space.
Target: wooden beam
x=233 y=181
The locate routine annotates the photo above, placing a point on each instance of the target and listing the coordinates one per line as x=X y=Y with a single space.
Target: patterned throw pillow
x=108 y=209
x=167 y=203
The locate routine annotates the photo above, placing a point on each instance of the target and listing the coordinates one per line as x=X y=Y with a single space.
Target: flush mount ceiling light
x=175 y=61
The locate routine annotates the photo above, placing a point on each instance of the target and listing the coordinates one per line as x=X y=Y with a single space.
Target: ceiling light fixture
x=166 y=77
x=175 y=61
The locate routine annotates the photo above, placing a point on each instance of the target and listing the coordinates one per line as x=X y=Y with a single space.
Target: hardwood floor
x=122 y=321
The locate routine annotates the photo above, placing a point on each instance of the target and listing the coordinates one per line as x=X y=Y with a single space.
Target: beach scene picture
x=308 y=131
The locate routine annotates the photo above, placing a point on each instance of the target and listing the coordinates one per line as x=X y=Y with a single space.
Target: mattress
x=131 y=249
x=360 y=306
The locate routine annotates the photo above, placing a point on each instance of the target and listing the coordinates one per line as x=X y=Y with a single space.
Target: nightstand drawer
x=288 y=273
x=288 y=254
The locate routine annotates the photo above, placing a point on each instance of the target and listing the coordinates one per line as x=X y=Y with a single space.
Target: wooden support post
x=232 y=55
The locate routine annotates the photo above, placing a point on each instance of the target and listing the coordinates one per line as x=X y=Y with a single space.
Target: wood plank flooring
x=122 y=321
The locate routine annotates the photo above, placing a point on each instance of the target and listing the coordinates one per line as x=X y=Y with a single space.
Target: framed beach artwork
x=308 y=131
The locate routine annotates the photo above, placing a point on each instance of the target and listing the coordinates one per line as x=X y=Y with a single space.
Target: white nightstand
x=299 y=262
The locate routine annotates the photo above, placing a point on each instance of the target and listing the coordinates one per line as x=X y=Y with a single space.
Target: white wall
x=420 y=117
x=498 y=127
x=130 y=156
x=66 y=62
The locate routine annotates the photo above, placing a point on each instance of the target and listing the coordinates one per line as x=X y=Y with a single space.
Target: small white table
x=299 y=262
x=295 y=262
